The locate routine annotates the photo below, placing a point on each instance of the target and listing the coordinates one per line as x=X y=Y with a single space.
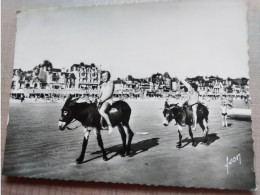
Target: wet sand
x=36 y=148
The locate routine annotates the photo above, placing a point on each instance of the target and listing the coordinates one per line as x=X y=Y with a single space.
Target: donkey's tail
x=205 y=111
x=206 y=118
x=206 y=114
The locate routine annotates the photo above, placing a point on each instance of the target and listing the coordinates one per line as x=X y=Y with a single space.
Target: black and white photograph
x=153 y=93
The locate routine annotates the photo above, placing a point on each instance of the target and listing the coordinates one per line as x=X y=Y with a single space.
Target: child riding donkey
x=193 y=99
x=105 y=98
x=91 y=115
x=105 y=101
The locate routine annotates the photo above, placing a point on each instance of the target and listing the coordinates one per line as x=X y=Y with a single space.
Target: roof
x=18 y=70
x=144 y=81
x=56 y=70
x=212 y=77
x=236 y=81
x=199 y=78
x=46 y=63
x=84 y=65
x=75 y=65
x=136 y=80
x=26 y=73
x=119 y=82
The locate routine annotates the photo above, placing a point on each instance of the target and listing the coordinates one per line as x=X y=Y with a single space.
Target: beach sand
x=35 y=148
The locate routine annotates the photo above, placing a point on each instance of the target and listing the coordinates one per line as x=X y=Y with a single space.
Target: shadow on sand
x=136 y=148
x=240 y=119
x=211 y=138
x=229 y=124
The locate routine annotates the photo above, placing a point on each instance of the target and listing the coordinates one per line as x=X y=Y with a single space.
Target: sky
x=181 y=37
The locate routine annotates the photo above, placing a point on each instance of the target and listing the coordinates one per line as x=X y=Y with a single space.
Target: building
x=81 y=77
x=45 y=77
x=86 y=76
x=16 y=79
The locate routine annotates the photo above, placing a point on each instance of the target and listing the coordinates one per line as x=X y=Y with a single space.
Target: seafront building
x=83 y=79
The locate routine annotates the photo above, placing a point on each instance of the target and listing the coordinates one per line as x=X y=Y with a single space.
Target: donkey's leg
x=84 y=146
x=191 y=135
x=206 y=131
x=130 y=134
x=180 y=137
x=123 y=136
x=100 y=143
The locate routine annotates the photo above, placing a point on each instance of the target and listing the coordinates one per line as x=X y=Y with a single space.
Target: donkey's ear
x=70 y=97
x=72 y=103
x=166 y=105
x=68 y=100
x=173 y=106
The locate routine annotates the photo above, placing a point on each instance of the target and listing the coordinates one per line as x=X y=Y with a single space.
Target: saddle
x=190 y=106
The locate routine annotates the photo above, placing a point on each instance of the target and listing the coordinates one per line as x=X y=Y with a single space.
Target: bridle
x=72 y=121
x=171 y=115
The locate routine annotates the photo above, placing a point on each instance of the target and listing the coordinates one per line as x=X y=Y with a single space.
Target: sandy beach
x=35 y=148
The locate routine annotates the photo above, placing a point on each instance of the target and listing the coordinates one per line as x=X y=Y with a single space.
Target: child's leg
x=223 y=121
x=226 y=121
x=103 y=113
x=194 y=109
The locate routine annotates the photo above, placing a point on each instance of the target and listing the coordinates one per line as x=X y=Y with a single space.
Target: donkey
x=88 y=115
x=183 y=116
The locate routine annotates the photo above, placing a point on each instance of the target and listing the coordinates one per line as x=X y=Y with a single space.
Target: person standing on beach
x=223 y=112
x=105 y=98
x=192 y=99
x=22 y=97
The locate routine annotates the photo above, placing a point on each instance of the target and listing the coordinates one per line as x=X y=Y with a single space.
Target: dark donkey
x=184 y=116
x=88 y=115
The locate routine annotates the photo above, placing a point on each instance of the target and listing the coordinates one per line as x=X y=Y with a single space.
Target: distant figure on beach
x=247 y=100
x=223 y=112
x=22 y=97
x=230 y=99
x=192 y=99
x=105 y=98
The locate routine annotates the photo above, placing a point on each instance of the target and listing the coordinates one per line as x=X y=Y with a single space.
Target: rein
x=72 y=128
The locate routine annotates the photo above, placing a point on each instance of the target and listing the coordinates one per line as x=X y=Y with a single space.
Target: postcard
x=153 y=93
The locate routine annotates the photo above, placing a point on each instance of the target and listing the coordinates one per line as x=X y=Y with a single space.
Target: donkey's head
x=67 y=113
x=168 y=113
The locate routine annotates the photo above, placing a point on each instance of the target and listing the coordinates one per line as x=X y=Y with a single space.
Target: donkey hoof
x=205 y=141
x=122 y=153
x=194 y=144
x=105 y=158
x=79 y=160
x=178 y=146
